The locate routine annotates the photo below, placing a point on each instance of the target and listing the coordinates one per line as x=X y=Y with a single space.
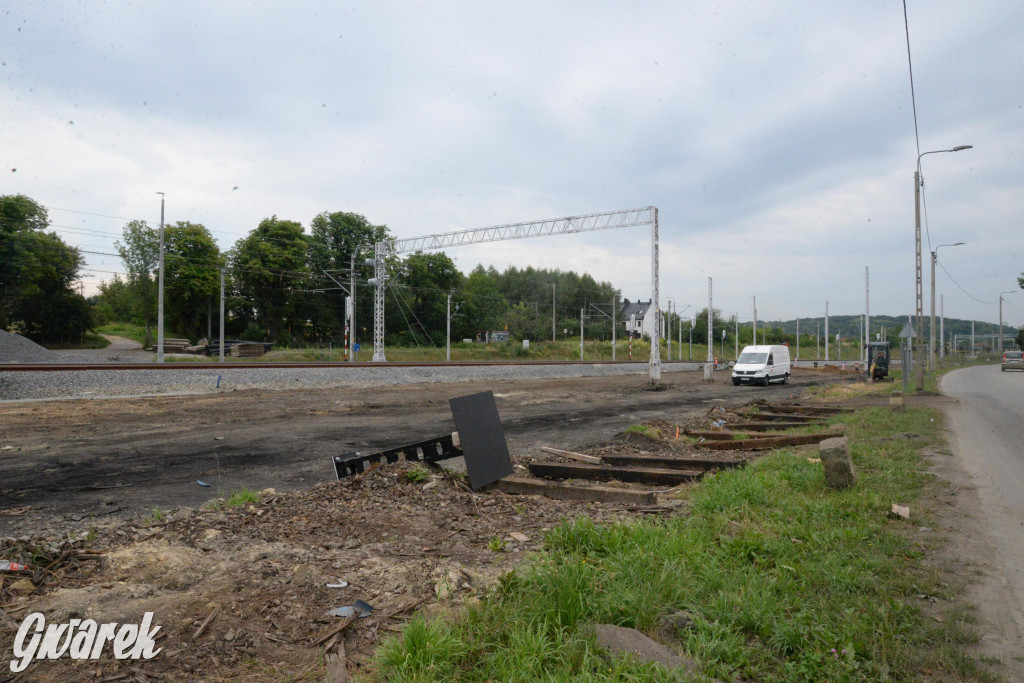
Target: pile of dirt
x=17 y=349
x=400 y=537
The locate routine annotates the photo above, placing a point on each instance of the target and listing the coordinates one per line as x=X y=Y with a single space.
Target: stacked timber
x=175 y=345
x=245 y=350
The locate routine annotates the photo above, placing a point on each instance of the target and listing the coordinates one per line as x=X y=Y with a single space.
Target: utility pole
x=553 y=311
x=798 y=338
x=160 y=291
x=582 y=311
x=753 y=339
x=708 y=369
x=972 y=339
x=737 y=340
x=693 y=321
x=448 y=330
x=826 y=331
x=668 y=333
x=615 y=302
x=867 y=317
x=817 y=339
x=942 y=327
x=221 y=352
x=352 y=310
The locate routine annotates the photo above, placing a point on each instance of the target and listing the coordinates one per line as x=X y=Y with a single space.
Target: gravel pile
x=108 y=383
x=17 y=349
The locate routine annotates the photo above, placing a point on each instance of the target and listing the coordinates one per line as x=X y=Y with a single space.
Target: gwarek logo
x=82 y=639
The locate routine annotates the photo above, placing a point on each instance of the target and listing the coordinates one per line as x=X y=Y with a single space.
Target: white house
x=640 y=320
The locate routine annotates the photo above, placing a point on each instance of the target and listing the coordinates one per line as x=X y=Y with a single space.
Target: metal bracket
x=430 y=451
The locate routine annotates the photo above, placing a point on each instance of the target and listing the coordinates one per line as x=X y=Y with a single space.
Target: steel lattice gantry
x=513 y=231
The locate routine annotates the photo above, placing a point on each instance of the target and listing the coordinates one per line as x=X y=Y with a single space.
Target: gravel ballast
x=17 y=349
x=28 y=385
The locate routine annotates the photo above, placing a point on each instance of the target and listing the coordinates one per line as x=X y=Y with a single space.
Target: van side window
x=771 y=361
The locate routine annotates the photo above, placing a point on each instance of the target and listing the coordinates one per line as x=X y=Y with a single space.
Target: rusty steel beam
x=768 y=443
x=658 y=461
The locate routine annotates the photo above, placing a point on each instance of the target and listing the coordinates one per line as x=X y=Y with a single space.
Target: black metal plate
x=482 y=437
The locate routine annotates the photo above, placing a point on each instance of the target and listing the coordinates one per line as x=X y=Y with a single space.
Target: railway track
x=58 y=367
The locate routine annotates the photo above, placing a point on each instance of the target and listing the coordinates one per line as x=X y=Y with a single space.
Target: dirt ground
x=242 y=592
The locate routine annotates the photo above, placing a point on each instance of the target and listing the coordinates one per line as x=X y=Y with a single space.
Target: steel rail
x=58 y=367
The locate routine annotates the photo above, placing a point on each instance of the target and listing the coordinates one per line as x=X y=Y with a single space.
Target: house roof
x=631 y=308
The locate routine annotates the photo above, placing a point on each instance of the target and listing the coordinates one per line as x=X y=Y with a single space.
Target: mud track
x=74 y=463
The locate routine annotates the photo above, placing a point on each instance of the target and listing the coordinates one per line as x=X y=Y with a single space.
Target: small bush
x=417 y=475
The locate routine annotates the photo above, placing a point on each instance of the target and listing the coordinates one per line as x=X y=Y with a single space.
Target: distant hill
x=849 y=326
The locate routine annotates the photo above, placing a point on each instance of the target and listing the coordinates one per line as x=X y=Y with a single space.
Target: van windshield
x=755 y=358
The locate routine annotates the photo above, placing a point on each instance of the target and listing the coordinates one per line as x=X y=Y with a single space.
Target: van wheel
x=766 y=380
x=735 y=382
x=785 y=378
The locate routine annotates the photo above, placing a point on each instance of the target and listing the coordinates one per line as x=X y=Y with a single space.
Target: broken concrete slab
x=835 y=458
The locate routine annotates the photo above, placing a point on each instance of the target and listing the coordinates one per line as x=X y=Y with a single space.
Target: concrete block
x=835 y=458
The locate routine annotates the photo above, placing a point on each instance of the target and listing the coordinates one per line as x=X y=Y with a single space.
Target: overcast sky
x=777 y=139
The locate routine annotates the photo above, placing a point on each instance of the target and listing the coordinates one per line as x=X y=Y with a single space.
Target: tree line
x=282 y=284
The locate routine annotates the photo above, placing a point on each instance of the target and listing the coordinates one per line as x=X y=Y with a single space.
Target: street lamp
x=917 y=255
x=931 y=333
x=1012 y=291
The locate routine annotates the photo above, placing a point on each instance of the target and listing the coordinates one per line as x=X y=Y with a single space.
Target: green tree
x=484 y=304
x=420 y=298
x=334 y=236
x=192 y=263
x=116 y=301
x=1020 y=339
x=270 y=277
x=140 y=252
x=37 y=270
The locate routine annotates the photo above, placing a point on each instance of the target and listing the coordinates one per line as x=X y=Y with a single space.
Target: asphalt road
x=988 y=437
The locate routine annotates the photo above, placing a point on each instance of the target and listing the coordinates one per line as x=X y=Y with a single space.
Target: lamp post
x=160 y=290
x=919 y=296
x=931 y=332
x=1001 y=318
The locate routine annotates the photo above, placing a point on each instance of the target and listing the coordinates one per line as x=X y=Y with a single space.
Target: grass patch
x=786 y=581
x=89 y=341
x=235 y=500
x=127 y=330
x=648 y=432
x=155 y=516
x=417 y=475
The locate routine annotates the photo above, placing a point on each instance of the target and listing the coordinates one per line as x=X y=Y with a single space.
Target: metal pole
x=553 y=311
x=867 y=316
x=1000 y=324
x=221 y=352
x=942 y=327
x=753 y=339
x=352 y=310
x=582 y=311
x=448 y=330
x=655 y=370
x=160 y=291
x=668 y=329
x=826 y=332
x=737 y=340
x=689 y=355
x=711 y=339
x=798 y=338
x=917 y=274
x=972 y=340
x=614 y=304
x=931 y=328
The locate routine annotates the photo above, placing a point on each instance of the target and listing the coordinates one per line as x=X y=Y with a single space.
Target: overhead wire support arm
x=555 y=226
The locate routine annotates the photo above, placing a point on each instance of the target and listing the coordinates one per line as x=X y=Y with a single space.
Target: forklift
x=878 y=361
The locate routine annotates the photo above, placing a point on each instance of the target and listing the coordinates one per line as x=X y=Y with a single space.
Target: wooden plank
x=721 y=434
x=642 y=475
x=768 y=443
x=784 y=417
x=703 y=464
x=589 y=459
x=810 y=410
x=766 y=426
x=562 y=491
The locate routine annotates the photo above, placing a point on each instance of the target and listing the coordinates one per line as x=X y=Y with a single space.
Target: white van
x=761 y=365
